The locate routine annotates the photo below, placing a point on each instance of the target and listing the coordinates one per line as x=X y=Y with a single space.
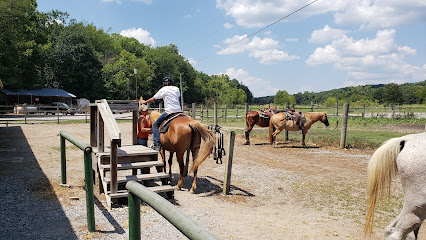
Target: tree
x=282 y=97
x=330 y=102
x=393 y=93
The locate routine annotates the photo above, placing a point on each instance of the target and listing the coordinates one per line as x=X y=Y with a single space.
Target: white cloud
x=139 y=34
x=258 y=86
x=327 y=34
x=191 y=61
x=228 y=25
x=265 y=49
x=292 y=39
x=369 y=60
x=366 y=13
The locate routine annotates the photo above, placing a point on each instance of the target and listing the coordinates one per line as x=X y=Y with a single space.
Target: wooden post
x=344 y=125
x=160 y=106
x=215 y=115
x=236 y=112
x=100 y=132
x=226 y=112
x=26 y=112
x=193 y=110
x=202 y=113
x=393 y=111
x=113 y=164
x=135 y=127
x=363 y=111
x=337 y=109
x=285 y=131
x=93 y=128
x=57 y=112
x=228 y=165
x=207 y=112
x=312 y=106
x=246 y=109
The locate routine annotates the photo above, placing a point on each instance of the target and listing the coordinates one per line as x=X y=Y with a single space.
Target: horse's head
x=324 y=119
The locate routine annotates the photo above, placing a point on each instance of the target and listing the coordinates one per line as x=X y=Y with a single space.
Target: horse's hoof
x=192 y=191
x=247 y=143
x=178 y=188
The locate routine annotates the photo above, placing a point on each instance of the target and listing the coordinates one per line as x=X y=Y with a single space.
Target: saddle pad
x=164 y=126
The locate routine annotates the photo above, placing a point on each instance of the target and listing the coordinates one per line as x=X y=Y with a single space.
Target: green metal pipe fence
x=88 y=175
x=174 y=215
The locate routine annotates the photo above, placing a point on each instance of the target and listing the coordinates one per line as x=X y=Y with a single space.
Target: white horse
x=406 y=156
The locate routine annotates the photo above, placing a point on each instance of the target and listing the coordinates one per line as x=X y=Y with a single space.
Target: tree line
x=50 y=50
x=368 y=95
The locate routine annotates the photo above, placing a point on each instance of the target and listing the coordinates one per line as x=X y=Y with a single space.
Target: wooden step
x=157 y=189
x=122 y=166
x=140 y=177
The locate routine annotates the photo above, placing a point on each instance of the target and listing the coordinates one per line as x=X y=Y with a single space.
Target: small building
x=35 y=97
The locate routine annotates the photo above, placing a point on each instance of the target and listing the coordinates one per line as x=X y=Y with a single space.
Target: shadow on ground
x=29 y=206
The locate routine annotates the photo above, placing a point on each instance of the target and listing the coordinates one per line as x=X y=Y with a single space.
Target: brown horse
x=185 y=133
x=278 y=122
x=253 y=118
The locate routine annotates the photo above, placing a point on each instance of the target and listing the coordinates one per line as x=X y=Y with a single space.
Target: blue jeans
x=143 y=142
x=156 y=131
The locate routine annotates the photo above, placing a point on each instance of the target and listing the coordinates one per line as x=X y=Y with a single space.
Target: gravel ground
x=276 y=193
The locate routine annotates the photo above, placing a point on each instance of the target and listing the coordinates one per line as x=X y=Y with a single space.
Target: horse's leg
x=274 y=135
x=163 y=158
x=403 y=226
x=194 y=182
x=249 y=127
x=170 y=165
x=179 y=156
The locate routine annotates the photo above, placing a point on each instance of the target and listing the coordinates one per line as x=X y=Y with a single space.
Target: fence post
x=344 y=125
x=393 y=111
x=228 y=166
x=88 y=185
x=193 y=110
x=134 y=216
x=236 y=112
x=202 y=113
x=160 y=105
x=337 y=109
x=312 y=106
x=363 y=111
x=63 y=161
x=246 y=109
x=285 y=131
x=57 y=112
x=25 y=113
x=226 y=111
x=215 y=115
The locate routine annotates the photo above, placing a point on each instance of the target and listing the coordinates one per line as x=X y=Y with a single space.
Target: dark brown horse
x=254 y=118
x=185 y=133
x=279 y=122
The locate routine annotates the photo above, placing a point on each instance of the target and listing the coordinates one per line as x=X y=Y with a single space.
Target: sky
x=296 y=46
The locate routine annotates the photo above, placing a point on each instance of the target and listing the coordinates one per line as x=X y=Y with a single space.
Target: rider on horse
x=170 y=95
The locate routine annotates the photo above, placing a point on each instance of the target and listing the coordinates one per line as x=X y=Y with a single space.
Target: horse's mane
x=153 y=116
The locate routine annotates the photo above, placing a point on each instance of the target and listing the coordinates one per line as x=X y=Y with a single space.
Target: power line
x=279 y=20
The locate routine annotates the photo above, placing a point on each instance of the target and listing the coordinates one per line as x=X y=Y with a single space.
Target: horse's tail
x=381 y=169
x=271 y=130
x=207 y=147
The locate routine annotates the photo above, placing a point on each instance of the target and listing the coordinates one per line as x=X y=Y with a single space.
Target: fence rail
x=88 y=175
x=174 y=215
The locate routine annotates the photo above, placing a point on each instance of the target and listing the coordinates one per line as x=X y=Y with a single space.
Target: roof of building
x=45 y=92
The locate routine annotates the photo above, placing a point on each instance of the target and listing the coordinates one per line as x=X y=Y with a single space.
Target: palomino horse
x=407 y=156
x=253 y=118
x=278 y=122
x=185 y=133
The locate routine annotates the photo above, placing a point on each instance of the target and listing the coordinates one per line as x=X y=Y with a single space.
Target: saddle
x=298 y=118
x=264 y=114
x=165 y=124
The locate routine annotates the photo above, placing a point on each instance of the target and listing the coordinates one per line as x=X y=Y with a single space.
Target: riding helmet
x=167 y=81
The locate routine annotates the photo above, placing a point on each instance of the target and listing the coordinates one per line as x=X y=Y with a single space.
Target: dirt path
x=276 y=193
